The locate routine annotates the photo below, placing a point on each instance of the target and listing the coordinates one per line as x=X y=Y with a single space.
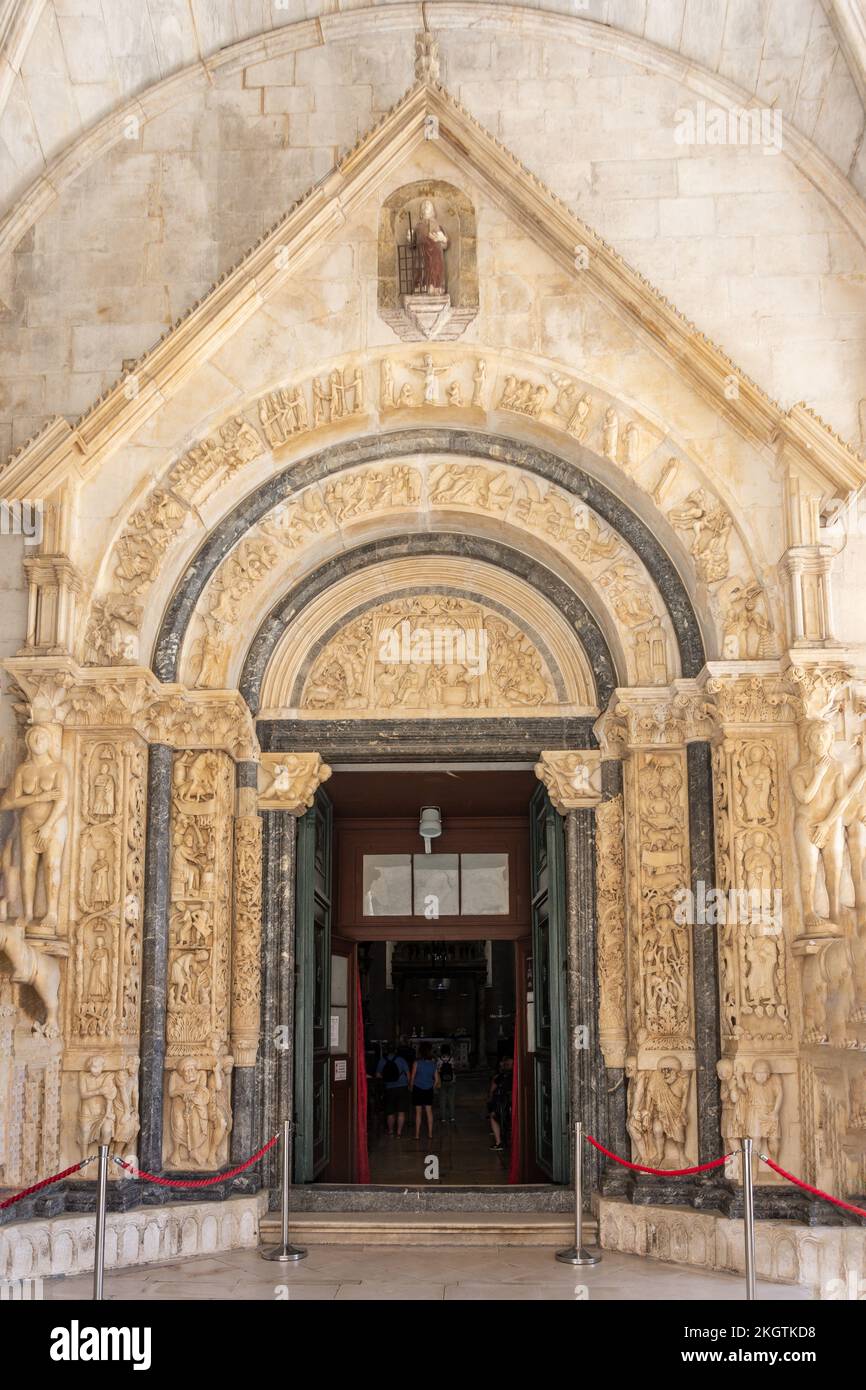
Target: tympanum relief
x=430 y=653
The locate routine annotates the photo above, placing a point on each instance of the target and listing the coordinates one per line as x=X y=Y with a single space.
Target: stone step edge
x=424 y=1218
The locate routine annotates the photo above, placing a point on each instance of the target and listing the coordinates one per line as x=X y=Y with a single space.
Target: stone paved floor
x=463 y=1149
x=431 y=1272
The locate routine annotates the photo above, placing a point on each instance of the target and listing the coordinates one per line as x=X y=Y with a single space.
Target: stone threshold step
x=424 y=1228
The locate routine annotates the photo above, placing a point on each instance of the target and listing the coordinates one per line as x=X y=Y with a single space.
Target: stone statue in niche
x=431 y=242
x=823 y=797
x=40 y=793
x=428 y=276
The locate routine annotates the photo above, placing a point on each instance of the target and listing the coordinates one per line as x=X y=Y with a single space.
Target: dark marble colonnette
x=565 y=473
x=154 y=955
x=274 y=1068
x=587 y=1089
x=705 y=954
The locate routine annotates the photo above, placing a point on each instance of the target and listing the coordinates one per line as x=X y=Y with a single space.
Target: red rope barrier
x=657 y=1172
x=197 y=1182
x=816 y=1191
x=46 y=1182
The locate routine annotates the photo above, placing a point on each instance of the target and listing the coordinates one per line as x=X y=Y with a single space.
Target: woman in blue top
x=424 y=1080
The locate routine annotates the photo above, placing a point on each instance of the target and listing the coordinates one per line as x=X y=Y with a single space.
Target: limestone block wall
x=753 y=244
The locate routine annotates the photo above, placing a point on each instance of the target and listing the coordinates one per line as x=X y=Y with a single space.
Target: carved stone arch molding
x=444 y=443
x=442 y=546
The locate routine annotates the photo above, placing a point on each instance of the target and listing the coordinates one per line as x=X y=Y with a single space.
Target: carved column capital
x=573 y=779
x=642 y=718
x=59 y=690
x=289 y=781
x=748 y=694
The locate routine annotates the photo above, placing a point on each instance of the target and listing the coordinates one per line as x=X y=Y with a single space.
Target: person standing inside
x=424 y=1082
x=395 y=1078
x=447 y=1086
x=499 y=1103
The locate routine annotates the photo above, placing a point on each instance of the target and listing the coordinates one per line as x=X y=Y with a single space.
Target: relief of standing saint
x=431 y=242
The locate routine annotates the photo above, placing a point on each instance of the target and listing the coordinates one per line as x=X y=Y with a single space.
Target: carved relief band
x=198 y=1061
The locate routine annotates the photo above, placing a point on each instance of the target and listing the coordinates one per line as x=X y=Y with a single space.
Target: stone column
x=275 y=1065
x=154 y=955
x=705 y=969
x=573 y=781
x=287 y=783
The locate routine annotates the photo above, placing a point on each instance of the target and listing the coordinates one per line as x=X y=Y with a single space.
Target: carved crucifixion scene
x=433 y=648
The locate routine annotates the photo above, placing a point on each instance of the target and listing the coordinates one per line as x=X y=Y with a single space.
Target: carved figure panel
x=610 y=906
x=752 y=946
x=661 y=955
x=106 y=897
x=429 y=653
x=198 y=1062
x=246 y=939
x=658 y=1113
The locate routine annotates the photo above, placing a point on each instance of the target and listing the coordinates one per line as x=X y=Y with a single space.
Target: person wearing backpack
x=447 y=1086
x=395 y=1078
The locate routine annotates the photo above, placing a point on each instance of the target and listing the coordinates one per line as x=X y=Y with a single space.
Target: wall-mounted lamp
x=430 y=825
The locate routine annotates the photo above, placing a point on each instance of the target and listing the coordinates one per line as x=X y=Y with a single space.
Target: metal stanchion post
x=284 y=1252
x=99 y=1244
x=749 y=1218
x=577 y=1254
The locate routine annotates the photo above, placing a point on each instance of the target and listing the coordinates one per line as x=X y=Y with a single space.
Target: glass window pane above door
x=387 y=885
x=437 y=888
x=483 y=884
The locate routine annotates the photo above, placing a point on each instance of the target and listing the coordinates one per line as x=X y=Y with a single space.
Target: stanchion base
x=573 y=1256
x=284 y=1254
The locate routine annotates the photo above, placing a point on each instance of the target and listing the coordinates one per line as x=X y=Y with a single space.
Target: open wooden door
x=313 y=991
x=548 y=1060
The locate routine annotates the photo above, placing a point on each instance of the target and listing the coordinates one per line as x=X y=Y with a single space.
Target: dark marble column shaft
x=154 y=954
x=705 y=958
x=277 y=1039
x=586 y=1077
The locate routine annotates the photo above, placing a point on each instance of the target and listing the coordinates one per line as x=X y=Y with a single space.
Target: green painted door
x=549 y=1060
x=313 y=990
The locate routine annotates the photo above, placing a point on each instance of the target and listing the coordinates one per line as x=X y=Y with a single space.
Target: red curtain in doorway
x=362 y=1159
x=514 y=1157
